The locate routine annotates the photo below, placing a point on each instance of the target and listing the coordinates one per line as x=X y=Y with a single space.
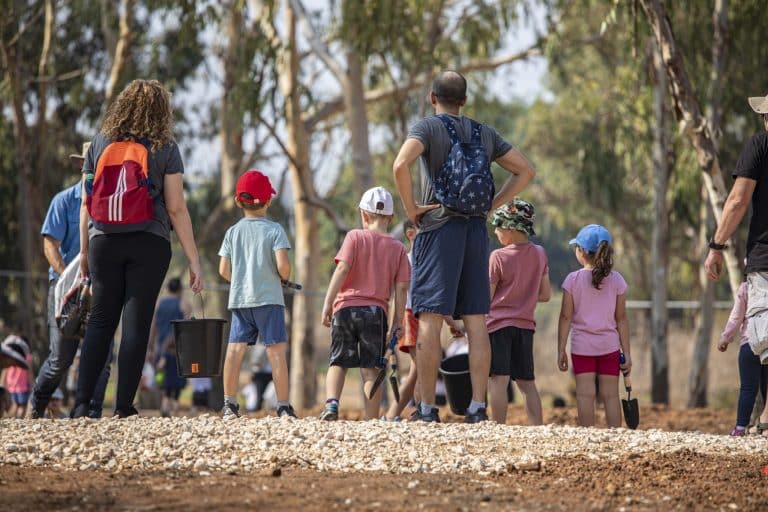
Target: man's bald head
x=450 y=88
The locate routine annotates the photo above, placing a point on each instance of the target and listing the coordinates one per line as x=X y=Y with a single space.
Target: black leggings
x=127 y=271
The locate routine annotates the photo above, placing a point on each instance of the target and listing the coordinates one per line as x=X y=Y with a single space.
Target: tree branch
x=318 y=46
x=122 y=50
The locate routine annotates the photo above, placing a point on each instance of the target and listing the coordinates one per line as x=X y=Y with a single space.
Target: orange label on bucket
x=194 y=368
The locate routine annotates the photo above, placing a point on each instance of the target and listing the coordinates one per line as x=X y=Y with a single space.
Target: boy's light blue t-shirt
x=250 y=245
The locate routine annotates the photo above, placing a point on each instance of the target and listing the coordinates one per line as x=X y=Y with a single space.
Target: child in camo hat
x=519 y=276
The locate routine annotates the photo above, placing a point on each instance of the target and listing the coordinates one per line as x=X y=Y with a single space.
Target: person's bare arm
x=152 y=345
x=545 y=289
x=409 y=152
x=401 y=293
x=563 y=328
x=283 y=264
x=173 y=192
x=225 y=268
x=735 y=208
x=522 y=173
x=337 y=281
x=51 y=250
x=493 y=290
x=84 y=219
x=622 y=323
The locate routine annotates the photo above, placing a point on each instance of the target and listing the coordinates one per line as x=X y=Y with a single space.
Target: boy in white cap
x=370 y=264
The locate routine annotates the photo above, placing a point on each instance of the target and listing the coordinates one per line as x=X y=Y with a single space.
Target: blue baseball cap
x=590 y=237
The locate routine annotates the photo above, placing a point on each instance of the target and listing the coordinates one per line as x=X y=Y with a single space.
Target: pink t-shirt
x=377 y=261
x=737 y=320
x=17 y=379
x=593 y=329
x=516 y=271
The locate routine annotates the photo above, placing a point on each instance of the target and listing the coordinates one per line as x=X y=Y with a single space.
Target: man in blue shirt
x=61 y=243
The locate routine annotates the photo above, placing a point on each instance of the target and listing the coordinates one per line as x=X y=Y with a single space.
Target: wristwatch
x=716 y=246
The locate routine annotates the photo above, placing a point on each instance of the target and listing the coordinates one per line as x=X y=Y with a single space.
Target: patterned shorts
x=358 y=337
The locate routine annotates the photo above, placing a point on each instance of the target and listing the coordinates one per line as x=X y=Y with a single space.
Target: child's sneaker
x=231 y=411
x=738 y=432
x=396 y=419
x=330 y=413
x=286 y=411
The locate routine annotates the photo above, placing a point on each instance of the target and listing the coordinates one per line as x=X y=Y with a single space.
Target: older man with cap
x=61 y=243
x=749 y=187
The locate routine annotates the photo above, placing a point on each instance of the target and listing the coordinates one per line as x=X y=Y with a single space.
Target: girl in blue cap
x=594 y=312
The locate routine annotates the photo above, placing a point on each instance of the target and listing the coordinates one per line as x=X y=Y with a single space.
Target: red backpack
x=119 y=192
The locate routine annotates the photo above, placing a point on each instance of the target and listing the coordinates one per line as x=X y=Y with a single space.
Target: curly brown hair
x=143 y=109
x=602 y=263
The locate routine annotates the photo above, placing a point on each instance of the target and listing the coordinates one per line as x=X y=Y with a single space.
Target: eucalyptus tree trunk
x=122 y=50
x=357 y=122
x=304 y=315
x=699 y=373
x=660 y=237
x=231 y=116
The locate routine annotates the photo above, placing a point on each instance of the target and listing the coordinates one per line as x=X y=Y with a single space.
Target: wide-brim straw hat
x=759 y=104
x=79 y=159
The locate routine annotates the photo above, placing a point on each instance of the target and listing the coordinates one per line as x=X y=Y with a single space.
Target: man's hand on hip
x=418 y=211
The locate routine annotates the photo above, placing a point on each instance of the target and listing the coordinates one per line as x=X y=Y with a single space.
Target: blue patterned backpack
x=464 y=182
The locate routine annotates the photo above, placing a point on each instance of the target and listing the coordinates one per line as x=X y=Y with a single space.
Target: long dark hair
x=602 y=263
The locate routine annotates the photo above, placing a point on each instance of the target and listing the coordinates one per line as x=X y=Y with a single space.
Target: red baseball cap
x=256 y=185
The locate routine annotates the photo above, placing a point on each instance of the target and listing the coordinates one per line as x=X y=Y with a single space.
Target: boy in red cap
x=254 y=259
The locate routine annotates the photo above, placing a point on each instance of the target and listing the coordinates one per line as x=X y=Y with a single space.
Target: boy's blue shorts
x=450 y=269
x=264 y=323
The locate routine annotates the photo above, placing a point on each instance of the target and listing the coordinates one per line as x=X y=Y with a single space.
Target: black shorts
x=173 y=393
x=358 y=337
x=512 y=353
x=200 y=398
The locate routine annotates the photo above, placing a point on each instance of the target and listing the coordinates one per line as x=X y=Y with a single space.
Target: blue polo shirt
x=62 y=223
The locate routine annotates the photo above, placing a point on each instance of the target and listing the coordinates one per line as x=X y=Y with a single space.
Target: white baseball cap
x=377 y=200
x=759 y=104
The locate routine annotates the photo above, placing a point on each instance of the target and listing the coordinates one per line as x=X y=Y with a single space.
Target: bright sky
x=523 y=80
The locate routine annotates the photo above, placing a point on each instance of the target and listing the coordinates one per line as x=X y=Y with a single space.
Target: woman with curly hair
x=132 y=196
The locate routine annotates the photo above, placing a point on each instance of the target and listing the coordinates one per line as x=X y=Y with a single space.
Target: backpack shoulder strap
x=448 y=123
x=476 y=128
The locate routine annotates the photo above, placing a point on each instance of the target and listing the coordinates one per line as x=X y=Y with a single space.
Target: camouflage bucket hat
x=518 y=215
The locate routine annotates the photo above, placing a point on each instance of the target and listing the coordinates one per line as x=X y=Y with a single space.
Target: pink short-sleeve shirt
x=516 y=271
x=593 y=330
x=377 y=261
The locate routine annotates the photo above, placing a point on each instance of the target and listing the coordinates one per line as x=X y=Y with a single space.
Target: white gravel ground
x=208 y=444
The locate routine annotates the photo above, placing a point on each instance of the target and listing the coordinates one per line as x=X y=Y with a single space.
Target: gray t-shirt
x=165 y=161
x=431 y=132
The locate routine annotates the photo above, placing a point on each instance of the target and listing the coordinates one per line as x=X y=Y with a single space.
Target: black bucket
x=458 y=385
x=200 y=346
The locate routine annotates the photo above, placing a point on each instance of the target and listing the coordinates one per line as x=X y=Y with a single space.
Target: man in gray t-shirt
x=450 y=253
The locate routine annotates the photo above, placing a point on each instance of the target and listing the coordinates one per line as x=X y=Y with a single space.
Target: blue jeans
x=56 y=365
x=752 y=374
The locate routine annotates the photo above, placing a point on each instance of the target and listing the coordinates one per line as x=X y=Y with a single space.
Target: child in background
x=459 y=343
x=407 y=343
x=369 y=265
x=18 y=381
x=753 y=376
x=254 y=258
x=201 y=387
x=594 y=312
x=519 y=277
x=173 y=383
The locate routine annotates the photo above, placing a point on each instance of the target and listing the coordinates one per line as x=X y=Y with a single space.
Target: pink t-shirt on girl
x=516 y=270
x=17 y=378
x=737 y=320
x=377 y=261
x=593 y=329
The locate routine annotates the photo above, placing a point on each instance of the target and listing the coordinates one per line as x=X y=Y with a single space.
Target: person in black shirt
x=749 y=187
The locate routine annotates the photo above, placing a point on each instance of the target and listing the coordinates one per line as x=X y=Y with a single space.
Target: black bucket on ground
x=458 y=385
x=200 y=346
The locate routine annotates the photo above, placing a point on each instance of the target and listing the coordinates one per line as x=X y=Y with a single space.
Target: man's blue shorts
x=450 y=269
x=264 y=323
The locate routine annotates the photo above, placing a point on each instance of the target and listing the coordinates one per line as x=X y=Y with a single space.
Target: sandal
x=762 y=427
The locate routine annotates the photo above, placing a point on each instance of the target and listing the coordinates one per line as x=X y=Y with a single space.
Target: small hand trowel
x=631 y=409
x=383 y=372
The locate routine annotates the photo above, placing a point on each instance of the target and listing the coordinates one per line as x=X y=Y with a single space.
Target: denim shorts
x=20 y=398
x=450 y=269
x=262 y=323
